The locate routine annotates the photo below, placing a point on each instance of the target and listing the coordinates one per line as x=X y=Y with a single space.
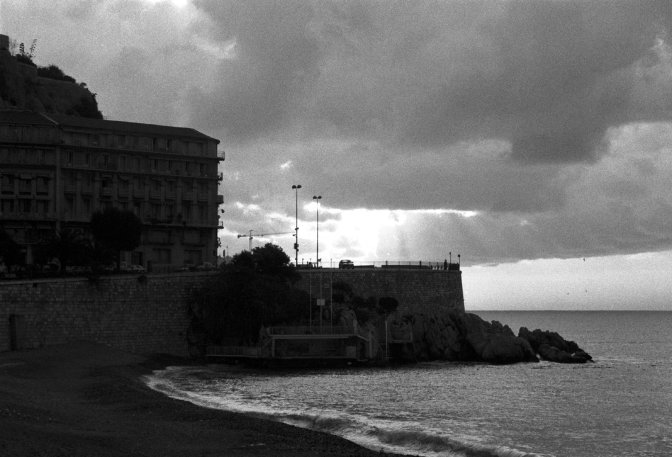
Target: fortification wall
x=416 y=290
x=146 y=314
x=126 y=312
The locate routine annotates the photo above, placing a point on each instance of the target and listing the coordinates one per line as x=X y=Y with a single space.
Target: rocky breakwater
x=466 y=337
x=551 y=346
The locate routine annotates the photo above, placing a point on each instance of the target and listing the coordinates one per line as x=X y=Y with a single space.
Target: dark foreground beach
x=88 y=400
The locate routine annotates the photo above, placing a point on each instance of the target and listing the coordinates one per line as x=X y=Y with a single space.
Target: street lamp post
x=317 y=199
x=296 y=188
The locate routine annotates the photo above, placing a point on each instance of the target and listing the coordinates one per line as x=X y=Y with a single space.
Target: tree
x=68 y=246
x=255 y=290
x=117 y=230
x=10 y=251
x=387 y=305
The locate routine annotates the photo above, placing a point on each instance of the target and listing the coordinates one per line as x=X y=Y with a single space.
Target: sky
x=533 y=138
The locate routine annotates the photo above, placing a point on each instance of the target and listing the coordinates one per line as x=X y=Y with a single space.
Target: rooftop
x=26 y=117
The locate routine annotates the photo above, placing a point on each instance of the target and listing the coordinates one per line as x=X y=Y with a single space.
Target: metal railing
x=391 y=264
x=312 y=330
x=316 y=329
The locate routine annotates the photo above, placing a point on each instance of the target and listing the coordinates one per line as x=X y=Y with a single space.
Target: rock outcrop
x=23 y=87
x=465 y=337
x=554 y=348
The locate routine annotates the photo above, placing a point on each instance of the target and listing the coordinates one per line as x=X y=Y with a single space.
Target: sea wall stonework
x=147 y=314
x=416 y=290
x=141 y=314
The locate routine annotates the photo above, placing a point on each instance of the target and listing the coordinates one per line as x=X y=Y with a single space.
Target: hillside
x=43 y=89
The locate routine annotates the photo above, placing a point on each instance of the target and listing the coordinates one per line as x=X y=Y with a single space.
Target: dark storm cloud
x=550 y=77
x=538 y=115
x=275 y=63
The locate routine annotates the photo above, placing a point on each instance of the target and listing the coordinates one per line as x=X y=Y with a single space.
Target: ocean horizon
x=620 y=405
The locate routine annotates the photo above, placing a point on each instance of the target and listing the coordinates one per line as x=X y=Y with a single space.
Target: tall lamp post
x=296 y=188
x=317 y=199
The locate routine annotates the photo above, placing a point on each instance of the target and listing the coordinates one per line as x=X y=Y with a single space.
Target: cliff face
x=22 y=88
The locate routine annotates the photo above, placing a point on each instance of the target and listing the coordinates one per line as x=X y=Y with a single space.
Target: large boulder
x=494 y=342
x=457 y=336
x=553 y=347
x=437 y=337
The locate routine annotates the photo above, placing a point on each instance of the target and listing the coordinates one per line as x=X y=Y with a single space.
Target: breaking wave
x=374 y=433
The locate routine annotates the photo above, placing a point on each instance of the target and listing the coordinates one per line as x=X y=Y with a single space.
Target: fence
x=400 y=264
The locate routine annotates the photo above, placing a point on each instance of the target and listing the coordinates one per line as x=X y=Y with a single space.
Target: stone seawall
x=416 y=290
x=141 y=314
x=147 y=314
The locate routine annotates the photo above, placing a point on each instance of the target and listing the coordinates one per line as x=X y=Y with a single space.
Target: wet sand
x=88 y=400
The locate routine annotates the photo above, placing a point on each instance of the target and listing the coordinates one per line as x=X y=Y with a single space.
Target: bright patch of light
x=463 y=213
x=626 y=282
x=176 y=3
x=286 y=165
x=247 y=208
x=225 y=51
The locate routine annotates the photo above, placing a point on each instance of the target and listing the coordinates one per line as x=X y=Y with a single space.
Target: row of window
x=166 y=212
x=113 y=162
x=25 y=206
x=28 y=133
x=28 y=156
x=124 y=185
x=164 y=256
x=84 y=207
x=139 y=164
x=171 y=236
x=138 y=143
x=24 y=184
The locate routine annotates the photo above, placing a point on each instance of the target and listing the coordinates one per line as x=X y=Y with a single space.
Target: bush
x=25 y=59
x=254 y=290
x=53 y=72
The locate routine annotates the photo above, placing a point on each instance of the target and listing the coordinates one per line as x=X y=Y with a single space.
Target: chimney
x=4 y=43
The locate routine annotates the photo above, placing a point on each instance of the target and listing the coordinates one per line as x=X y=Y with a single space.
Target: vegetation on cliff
x=25 y=85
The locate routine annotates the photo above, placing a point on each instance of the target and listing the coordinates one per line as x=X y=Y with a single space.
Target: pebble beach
x=83 y=399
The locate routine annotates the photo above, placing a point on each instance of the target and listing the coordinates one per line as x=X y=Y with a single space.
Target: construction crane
x=250 y=236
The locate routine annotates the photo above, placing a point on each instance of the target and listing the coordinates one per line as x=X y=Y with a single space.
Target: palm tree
x=10 y=251
x=68 y=246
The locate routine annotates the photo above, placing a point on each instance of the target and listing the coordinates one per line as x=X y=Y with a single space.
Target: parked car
x=128 y=268
x=346 y=264
x=205 y=266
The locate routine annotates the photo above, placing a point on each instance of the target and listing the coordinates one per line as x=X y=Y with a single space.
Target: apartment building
x=56 y=171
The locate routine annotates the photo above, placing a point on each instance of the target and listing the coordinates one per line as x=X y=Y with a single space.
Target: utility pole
x=296 y=188
x=317 y=199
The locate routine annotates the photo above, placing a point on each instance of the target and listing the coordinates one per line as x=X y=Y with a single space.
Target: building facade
x=56 y=171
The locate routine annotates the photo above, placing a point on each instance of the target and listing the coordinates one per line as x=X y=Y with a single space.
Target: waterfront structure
x=57 y=170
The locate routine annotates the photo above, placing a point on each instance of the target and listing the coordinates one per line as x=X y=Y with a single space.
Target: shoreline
x=86 y=399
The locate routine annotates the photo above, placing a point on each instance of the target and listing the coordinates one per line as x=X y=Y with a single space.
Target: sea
x=619 y=405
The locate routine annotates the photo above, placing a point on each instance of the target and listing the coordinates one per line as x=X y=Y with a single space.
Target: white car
x=132 y=268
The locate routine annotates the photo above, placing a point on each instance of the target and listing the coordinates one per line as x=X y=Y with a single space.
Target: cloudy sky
x=534 y=138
